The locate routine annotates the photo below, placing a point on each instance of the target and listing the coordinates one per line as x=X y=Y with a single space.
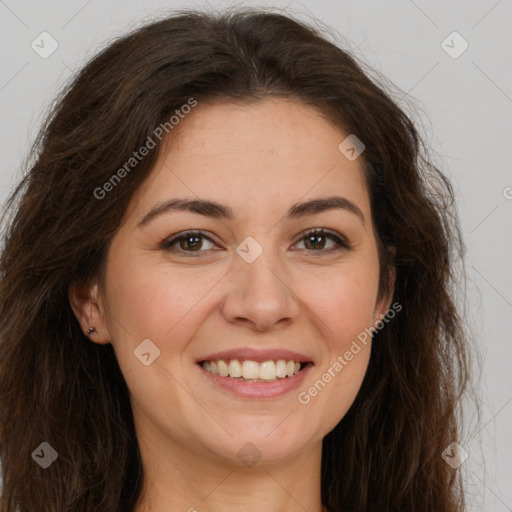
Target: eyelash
x=340 y=241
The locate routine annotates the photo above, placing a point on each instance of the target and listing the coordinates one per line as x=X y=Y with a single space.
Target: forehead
x=260 y=157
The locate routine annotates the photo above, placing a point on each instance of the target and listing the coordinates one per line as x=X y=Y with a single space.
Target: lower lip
x=257 y=389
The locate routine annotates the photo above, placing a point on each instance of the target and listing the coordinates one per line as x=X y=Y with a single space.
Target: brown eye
x=191 y=241
x=315 y=241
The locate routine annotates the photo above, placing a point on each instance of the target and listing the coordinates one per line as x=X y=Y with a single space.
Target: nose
x=260 y=293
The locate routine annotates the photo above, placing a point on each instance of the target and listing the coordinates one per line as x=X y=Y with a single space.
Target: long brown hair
x=58 y=387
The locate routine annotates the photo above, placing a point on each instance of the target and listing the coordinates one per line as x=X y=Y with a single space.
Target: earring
x=91 y=330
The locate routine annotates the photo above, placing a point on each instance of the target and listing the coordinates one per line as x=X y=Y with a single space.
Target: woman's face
x=253 y=285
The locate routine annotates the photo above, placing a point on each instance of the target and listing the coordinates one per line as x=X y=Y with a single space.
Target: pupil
x=190 y=246
x=315 y=237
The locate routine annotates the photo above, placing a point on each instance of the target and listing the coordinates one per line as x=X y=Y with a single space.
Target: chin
x=260 y=445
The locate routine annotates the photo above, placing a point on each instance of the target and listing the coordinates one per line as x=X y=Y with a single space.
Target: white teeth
x=281 y=368
x=223 y=368
x=214 y=368
x=267 y=370
x=235 y=368
x=252 y=370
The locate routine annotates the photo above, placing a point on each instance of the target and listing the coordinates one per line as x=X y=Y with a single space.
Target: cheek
x=150 y=299
x=345 y=308
x=344 y=299
x=154 y=300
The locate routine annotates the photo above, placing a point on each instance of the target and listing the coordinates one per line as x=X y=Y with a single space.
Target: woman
x=227 y=284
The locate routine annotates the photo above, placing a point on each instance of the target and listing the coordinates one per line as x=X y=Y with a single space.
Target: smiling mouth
x=251 y=371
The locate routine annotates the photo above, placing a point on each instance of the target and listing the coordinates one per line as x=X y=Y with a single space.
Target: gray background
x=464 y=105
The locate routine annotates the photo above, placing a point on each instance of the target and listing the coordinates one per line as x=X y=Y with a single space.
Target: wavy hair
x=56 y=386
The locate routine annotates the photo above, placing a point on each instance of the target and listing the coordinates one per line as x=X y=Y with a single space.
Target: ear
x=86 y=303
x=383 y=305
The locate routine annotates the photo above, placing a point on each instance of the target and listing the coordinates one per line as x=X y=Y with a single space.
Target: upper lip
x=257 y=355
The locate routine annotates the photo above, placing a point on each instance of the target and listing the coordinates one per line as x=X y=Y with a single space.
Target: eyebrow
x=218 y=211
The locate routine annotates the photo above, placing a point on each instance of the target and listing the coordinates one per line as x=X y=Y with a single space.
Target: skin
x=258 y=159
